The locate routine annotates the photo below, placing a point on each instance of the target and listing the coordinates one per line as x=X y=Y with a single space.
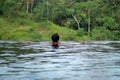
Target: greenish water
x=95 y=60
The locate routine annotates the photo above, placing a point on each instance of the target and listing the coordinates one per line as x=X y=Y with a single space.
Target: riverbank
x=26 y=29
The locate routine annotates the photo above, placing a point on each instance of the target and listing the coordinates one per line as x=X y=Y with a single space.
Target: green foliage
x=36 y=19
x=70 y=35
x=35 y=36
x=19 y=35
x=100 y=33
x=81 y=32
x=110 y=23
x=116 y=35
x=25 y=29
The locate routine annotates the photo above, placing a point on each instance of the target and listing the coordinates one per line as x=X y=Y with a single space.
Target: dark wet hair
x=55 y=37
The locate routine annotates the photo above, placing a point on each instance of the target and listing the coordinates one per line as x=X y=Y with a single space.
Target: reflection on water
x=95 y=60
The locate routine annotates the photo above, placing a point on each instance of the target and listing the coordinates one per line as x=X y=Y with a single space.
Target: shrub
x=115 y=35
x=35 y=36
x=70 y=35
x=80 y=32
x=100 y=33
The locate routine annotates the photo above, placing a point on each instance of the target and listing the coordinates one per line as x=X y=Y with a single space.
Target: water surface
x=95 y=60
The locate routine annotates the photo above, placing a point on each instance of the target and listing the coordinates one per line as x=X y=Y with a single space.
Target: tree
x=110 y=23
x=77 y=13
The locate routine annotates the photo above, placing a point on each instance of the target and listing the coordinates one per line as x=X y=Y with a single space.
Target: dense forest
x=86 y=19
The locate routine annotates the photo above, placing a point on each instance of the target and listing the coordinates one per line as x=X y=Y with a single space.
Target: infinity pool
x=94 y=60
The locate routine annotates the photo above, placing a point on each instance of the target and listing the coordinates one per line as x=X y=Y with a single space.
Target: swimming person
x=55 y=40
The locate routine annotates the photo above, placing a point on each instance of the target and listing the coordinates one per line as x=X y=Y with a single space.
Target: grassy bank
x=25 y=29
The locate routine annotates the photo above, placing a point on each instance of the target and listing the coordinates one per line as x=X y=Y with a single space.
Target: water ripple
x=95 y=60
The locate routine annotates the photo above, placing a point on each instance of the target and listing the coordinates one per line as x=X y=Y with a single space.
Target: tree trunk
x=47 y=3
x=89 y=20
x=77 y=21
x=27 y=6
x=32 y=4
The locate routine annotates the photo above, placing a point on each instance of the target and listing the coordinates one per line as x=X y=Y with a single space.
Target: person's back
x=55 y=40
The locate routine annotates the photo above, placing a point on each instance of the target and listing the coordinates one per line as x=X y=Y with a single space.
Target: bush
x=110 y=23
x=35 y=36
x=69 y=35
x=115 y=35
x=100 y=33
x=80 y=32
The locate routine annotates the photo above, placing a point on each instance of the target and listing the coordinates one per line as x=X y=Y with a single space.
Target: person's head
x=55 y=39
